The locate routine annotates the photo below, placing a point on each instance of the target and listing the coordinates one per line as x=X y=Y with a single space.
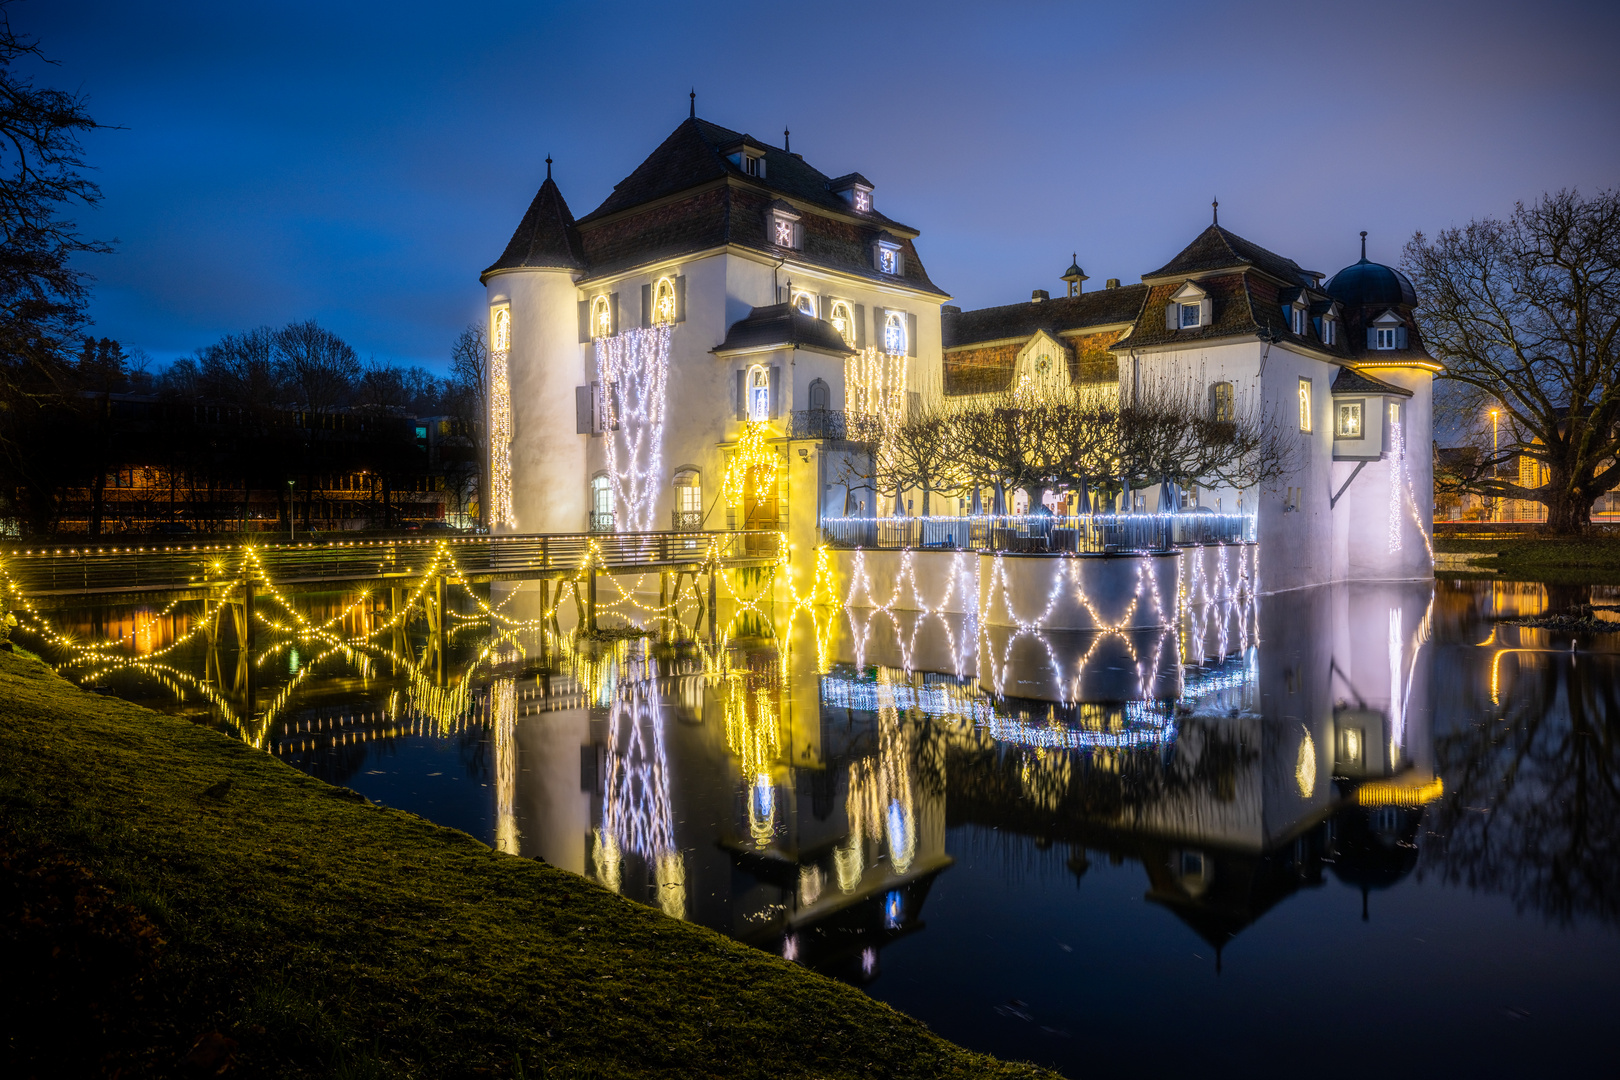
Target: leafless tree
x=469 y=375
x=317 y=367
x=922 y=454
x=1525 y=315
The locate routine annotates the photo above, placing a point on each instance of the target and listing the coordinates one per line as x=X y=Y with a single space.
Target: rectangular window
x=1347 y=420
x=1221 y=402
x=1189 y=316
x=1304 y=404
x=1386 y=337
x=1327 y=331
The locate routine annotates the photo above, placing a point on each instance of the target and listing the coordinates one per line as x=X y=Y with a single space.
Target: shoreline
x=276 y=925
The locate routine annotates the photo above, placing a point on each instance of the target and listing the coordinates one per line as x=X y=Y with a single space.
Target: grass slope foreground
x=156 y=921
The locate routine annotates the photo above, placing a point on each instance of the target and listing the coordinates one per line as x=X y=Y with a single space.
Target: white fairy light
x=632 y=369
x=500 y=442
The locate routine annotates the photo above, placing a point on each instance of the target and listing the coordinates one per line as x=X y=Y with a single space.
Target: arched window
x=601 y=318
x=843 y=320
x=501 y=338
x=805 y=304
x=820 y=395
x=894 y=332
x=663 y=301
x=759 y=394
x=1220 y=402
x=688 y=499
x=601 y=503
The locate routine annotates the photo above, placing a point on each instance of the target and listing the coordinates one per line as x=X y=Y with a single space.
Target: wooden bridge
x=201 y=571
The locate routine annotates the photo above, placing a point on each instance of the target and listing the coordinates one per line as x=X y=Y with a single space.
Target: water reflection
x=805 y=781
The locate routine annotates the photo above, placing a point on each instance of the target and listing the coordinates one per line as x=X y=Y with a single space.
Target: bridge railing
x=68 y=570
x=1036 y=533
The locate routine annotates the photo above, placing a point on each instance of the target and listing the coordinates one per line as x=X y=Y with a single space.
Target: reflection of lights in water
x=868 y=960
x=762 y=810
x=811 y=881
x=1305 y=770
x=672 y=884
x=503 y=716
x=1379 y=793
x=849 y=859
x=636 y=814
x=892 y=910
x=292 y=659
x=1397 y=717
x=790 y=947
x=1352 y=745
x=606 y=859
x=902 y=841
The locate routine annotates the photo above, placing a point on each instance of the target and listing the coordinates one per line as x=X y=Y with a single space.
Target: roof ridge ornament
x=693 y=113
x=1363 y=245
x=548 y=166
x=786 y=144
x=1215 y=206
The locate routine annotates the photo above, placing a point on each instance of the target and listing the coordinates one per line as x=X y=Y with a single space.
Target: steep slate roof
x=704 y=201
x=1054 y=316
x=782 y=326
x=1351 y=381
x=546 y=237
x=1217 y=249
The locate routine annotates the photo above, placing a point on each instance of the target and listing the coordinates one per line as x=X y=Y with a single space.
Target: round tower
x=537 y=465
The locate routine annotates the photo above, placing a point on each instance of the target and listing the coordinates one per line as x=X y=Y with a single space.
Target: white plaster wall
x=1384 y=519
x=548 y=458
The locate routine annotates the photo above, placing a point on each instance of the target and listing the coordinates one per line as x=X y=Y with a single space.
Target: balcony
x=686 y=520
x=601 y=522
x=817 y=424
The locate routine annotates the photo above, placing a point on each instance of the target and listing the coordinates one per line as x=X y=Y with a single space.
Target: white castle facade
x=670 y=361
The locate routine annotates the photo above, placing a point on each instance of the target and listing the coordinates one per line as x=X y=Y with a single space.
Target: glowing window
x=805 y=303
x=663 y=305
x=689 y=492
x=501 y=339
x=759 y=394
x=601 y=318
x=1394 y=413
x=863 y=199
x=1305 y=405
x=1220 y=402
x=1347 y=420
x=888 y=260
x=601 y=495
x=894 y=332
x=843 y=320
x=1189 y=316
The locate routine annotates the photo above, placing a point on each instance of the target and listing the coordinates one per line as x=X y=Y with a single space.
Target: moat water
x=1329 y=831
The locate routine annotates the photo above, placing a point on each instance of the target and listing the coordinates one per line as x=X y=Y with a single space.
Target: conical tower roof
x=546 y=238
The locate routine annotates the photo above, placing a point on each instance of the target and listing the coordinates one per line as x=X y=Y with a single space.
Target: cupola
x=1075 y=276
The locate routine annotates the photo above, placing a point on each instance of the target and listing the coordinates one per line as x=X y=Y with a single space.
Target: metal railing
x=601 y=521
x=1036 y=533
x=817 y=424
x=686 y=520
x=200 y=567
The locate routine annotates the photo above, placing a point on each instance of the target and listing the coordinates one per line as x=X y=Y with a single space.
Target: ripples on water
x=1350 y=826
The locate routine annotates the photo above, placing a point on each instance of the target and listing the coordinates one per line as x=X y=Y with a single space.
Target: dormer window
x=786 y=231
x=805 y=304
x=886 y=256
x=1330 y=329
x=749 y=160
x=1297 y=319
x=1189 y=308
x=861 y=199
x=855 y=190
x=1387 y=332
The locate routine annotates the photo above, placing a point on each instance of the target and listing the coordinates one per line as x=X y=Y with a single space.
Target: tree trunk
x=1568 y=512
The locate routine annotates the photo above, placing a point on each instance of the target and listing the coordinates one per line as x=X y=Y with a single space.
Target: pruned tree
x=922 y=455
x=1525 y=314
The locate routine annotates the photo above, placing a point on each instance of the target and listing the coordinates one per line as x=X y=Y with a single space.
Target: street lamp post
x=1496 y=502
x=292 y=522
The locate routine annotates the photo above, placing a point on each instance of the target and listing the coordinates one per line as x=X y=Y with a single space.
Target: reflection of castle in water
x=795 y=791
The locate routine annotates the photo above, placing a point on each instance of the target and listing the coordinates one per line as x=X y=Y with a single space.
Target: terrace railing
x=1036 y=533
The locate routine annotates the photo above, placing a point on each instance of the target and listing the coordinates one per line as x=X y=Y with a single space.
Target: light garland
x=632 y=369
x=501 y=511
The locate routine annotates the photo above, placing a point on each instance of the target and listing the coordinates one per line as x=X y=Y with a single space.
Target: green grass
x=294 y=929
x=1564 y=560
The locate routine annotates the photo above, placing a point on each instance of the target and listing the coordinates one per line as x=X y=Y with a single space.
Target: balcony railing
x=686 y=520
x=1036 y=533
x=601 y=522
x=817 y=424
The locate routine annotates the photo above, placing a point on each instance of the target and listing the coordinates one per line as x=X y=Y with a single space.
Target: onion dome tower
x=1075 y=276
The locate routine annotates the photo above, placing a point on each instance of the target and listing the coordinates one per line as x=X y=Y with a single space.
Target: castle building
x=683 y=356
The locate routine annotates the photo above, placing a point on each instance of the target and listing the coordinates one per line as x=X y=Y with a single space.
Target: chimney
x=1038 y=295
x=1111 y=283
x=950 y=309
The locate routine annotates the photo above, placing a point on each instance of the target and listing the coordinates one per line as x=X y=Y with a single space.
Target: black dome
x=1368 y=283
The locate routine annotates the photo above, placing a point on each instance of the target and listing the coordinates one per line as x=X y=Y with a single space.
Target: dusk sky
x=361 y=163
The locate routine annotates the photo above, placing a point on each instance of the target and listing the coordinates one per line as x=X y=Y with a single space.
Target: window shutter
x=680 y=298
x=584 y=321
x=596 y=408
x=646 y=306
x=1172 y=316
x=742 y=411
x=1400 y=337
x=1206 y=312
x=878 y=317
x=613 y=309
x=860 y=326
x=776 y=391
x=1372 y=337
x=911 y=334
x=582 y=410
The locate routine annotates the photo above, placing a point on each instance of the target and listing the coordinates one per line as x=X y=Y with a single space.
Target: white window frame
x=500 y=329
x=1216 y=393
x=1356 y=412
x=861 y=199
x=847 y=332
x=804 y=304
x=1385 y=334
x=1328 y=329
x=891 y=254
x=689 y=491
x=1181 y=316
x=1307 y=405
x=601 y=494
x=663 y=302
x=894 y=333
x=1298 y=320
x=758 y=388
x=601 y=317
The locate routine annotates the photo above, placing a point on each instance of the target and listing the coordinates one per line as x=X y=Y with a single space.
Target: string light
x=501 y=512
x=632 y=369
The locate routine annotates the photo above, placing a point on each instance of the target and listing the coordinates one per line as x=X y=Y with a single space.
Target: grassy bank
x=151 y=924
x=1575 y=560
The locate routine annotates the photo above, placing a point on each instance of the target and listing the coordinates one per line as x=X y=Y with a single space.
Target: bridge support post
x=663 y=591
x=713 y=569
x=590 y=611
x=247 y=635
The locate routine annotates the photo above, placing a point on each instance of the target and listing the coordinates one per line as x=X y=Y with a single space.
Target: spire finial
x=548 y=166
x=693 y=113
x=1215 y=205
x=1363 y=245
x=786 y=145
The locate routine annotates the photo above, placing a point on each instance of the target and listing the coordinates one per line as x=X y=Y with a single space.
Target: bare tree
x=469 y=377
x=318 y=368
x=1525 y=314
x=922 y=454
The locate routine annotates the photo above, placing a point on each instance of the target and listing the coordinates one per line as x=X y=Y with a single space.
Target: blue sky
x=360 y=163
